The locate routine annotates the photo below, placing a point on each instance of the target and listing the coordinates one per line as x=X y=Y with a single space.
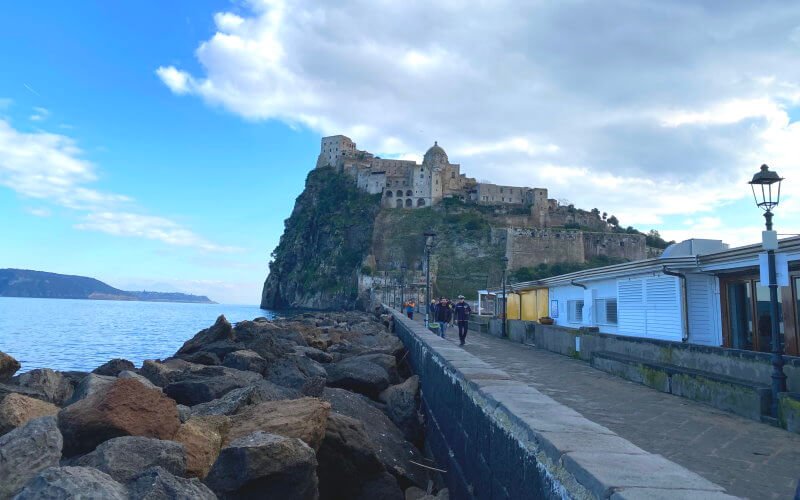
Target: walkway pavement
x=749 y=459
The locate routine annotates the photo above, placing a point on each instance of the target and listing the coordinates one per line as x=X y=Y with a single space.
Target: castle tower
x=435 y=161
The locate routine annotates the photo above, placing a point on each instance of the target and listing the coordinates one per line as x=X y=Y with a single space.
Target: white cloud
x=40 y=211
x=640 y=109
x=39 y=114
x=149 y=227
x=49 y=167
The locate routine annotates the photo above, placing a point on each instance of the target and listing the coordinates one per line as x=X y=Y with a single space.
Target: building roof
x=435 y=153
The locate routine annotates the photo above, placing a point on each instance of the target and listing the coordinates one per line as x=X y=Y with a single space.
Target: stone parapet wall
x=529 y=247
x=501 y=439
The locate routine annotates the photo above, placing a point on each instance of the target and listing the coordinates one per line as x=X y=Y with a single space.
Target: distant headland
x=44 y=285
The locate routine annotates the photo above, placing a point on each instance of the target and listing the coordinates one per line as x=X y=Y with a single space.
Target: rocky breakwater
x=316 y=406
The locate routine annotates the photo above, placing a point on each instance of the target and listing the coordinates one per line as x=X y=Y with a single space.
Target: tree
x=605 y=215
x=596 y=212
x=613 y=221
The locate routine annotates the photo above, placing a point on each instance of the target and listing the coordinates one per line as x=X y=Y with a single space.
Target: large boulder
x=392 y=449
x=385 y=361
x=211 y=382
x=264 y=465
x=303 y=418
x=298 y=372
x=113 y=367
x=16 y=410
x=125 y=408
x=84 y=483
x=347 y=458
x=402 y=401
x=56 y=388
x=202 y=437
x=316 y=354
x=90 y=384
x=158 y=484
x=359 y=375
x=6 y=389
x=8 y=366
x=162 y=373
x=233 y=401
x=143 y=380
x=221 y=330
x=27 y=450
x=384 y=486
x=123 y=458
x=245 y=360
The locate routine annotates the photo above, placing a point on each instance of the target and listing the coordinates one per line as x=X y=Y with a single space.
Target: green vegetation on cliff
x=325 y=240
x=465 y=257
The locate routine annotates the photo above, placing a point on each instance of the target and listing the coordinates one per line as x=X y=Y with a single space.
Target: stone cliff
x=317 y=262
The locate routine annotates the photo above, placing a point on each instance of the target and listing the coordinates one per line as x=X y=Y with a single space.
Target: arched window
x=420 y=202
x=388 y=194
x=408 y=193
x=409 y=203
x=399 y=203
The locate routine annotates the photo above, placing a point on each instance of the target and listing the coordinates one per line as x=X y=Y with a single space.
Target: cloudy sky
x=165 y=143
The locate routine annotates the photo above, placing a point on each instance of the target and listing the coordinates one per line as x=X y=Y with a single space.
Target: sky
x=160 y=145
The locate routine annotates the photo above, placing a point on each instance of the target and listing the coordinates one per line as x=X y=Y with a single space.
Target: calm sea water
x=66 y=334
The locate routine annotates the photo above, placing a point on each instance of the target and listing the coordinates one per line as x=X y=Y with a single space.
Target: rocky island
x=322 y=405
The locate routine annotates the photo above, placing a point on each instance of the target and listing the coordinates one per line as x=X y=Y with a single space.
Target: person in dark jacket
x=443 y=315
x=461 y=312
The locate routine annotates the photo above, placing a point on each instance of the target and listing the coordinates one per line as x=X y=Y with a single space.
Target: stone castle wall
x=529 y=247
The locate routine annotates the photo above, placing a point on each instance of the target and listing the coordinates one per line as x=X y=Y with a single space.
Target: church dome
x=435 y=155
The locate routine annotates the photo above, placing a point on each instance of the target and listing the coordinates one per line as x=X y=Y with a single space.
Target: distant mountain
x=40 y=284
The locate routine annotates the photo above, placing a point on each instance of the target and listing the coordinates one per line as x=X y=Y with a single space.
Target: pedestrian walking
x=461 y=312
x=410 y=309
x=442 y=315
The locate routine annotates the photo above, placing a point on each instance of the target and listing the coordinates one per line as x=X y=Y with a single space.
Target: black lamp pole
x=428 y=247
x=403 y=285
x=505 y=300
x=765 y=180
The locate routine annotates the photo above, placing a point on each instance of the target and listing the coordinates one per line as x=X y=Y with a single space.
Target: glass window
x=765 y=318
x=740 y=315
x=575 y=311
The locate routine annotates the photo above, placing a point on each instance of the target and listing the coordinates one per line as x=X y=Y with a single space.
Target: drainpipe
x=684 y=299
x=575 y=283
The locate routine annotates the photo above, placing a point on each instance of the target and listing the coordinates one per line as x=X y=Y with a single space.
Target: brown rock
x=203 y=438
x=16 y=410
x=8 y=366
x=303 y=418
x=125 y=408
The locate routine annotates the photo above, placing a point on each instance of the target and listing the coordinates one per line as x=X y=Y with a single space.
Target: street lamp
x=428 y=248
x=762 y=186
x=505 y=300
x=403 y=269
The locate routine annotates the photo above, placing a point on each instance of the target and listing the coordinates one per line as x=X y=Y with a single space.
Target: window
x=408 y=193
x=420 y=202
x=575 y=311
x=388 y=194
x=421 y=176
x=501 y=190
x=408 y=202
x=452 y=175
x=605 y=311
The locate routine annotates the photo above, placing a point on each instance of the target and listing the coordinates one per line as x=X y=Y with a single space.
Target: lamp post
x=505 y=299
x=763 y=182
x=428 y=248
x=403 y=269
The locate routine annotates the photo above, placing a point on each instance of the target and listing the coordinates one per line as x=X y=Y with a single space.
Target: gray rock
x=391 y=446
x=202 y=358
x=162 y=373
x=245 y=360
x=6 y=389
x=125 y=457
x=83 y=483
x=56 y=388
x=237 y=399
x=131 y=374
x=359 y=375
x=402 y=401
x=209 y=383
x=90 y=384
x=313 y=353
x=158 y=484
x=385 y=361
x=383 y=486
x=263 y=465
x=184 y=412
x=27 y=450
x=219 y=331
x=298 y=372
x=113 y=367
x=347 y=458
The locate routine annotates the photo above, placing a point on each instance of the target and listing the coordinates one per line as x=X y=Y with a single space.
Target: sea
x=70 y=334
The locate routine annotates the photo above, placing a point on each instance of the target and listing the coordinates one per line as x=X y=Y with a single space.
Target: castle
x=408 y=184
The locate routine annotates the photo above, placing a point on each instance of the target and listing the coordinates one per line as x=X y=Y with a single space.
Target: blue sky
x=164 y=143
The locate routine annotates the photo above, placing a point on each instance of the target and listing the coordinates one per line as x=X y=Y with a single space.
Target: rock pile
x=316 y=406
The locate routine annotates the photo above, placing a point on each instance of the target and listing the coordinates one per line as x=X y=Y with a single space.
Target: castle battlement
x=408 y=184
